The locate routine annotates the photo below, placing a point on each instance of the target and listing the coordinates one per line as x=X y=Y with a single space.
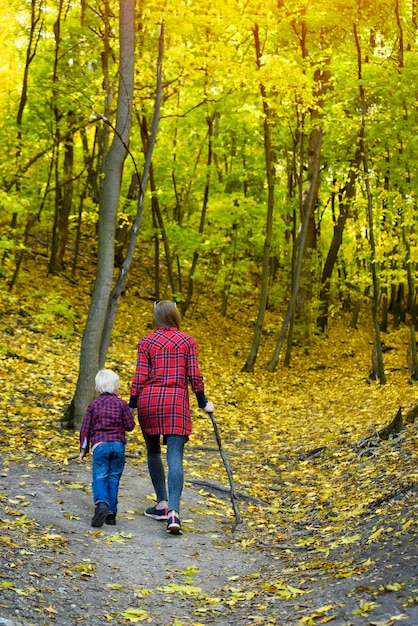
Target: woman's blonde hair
x=166 y=314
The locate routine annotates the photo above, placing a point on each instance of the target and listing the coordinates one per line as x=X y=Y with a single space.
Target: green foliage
x=212 y=89
x=55 y=313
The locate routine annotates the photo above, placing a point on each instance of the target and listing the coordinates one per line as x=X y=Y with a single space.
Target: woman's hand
x=209 y=408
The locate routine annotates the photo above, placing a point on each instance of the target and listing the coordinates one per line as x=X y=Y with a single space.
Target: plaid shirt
x=106 y=419
x=167 y=362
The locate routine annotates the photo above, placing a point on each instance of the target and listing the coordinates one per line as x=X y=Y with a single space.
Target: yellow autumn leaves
x=290 y=438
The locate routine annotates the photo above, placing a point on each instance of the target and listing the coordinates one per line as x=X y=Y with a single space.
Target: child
x=104 y=425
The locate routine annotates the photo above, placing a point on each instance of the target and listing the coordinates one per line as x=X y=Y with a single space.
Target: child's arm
x=85 y=431
x=128 y=418
x=83 y=450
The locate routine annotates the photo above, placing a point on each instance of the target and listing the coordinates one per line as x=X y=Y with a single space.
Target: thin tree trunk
x=294 y=183
x=410 y=270
x=190 y=282
x=337 y=239
x=83 y=196
x=309 y=271
x=412 y=354
x=156 y=257
x=30 y=55
x=251 y=359
x=31 y=222
x=309 y=276
x=125 y=225
x=158 y=215
x=90 y=355
x=378 y=344
x=66 y=197
x=400 y=36
x=103 y=137
x=229 y=280
x=53 y=266
x=123 y=272
x=90 y=183
x=298 y=270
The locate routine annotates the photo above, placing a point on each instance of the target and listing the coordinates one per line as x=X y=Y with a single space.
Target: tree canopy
x=238 y=167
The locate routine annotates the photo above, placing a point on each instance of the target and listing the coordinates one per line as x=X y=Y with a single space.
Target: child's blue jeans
x=108 y=465
x=175 y=477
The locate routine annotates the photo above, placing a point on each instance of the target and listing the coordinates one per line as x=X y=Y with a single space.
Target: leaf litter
x=329 y=533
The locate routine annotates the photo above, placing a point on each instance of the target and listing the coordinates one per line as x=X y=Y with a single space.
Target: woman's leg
x=175 y=448
x=155 y=466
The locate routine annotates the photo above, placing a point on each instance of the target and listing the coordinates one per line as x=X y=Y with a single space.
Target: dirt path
x=59 y=570
x=136 y=554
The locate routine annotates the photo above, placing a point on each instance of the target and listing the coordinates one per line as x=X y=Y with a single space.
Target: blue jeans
x=107 y=468
x=175 y=477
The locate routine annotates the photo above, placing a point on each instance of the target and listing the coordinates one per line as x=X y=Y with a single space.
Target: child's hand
x=82 y=455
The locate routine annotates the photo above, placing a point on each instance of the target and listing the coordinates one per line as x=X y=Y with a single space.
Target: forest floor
x=55 y=568
x=329 y=509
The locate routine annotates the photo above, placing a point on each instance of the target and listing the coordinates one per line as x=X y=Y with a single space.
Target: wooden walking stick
x=234 y=498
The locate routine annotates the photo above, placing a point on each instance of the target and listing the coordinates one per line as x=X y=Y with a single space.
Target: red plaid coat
x=167 y=362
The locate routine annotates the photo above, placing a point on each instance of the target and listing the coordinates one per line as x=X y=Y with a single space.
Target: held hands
x=209 y=408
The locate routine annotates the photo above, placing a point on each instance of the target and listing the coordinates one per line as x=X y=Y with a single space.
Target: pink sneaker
x=173 y=524
x=157 y=513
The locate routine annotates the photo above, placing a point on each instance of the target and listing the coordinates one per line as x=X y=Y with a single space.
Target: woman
x=167 y=361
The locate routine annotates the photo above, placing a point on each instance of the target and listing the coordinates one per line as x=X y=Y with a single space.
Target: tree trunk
x=158 y=217
x=378 y=344
x=249 y=365
x=298 y=269
x=308 y=278
x=30 y=55
x=229 y=280
x=324 y=294
x=53 y=268
x=384 y=310
x=125 y=223
x=66 y=197
x=89 y=185
x=190 y=281
x=120 y=283
x=412 y=354
x=103 y=133
x=31 y=222
x=410 y=298
x=109 y=198
x=34 y=36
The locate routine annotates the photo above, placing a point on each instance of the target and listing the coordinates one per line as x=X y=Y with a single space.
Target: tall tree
x=35 y=30
x=269 y=169
x=320 y=87
x=337 y=239
x=121 y=280
x=109 y=200
x=301 y=243
x=190 y=282
x=380 y=372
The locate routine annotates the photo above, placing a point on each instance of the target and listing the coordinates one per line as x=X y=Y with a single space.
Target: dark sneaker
x=157 y=513
x=173 y=524
x=100 y=514
x=111 y=519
